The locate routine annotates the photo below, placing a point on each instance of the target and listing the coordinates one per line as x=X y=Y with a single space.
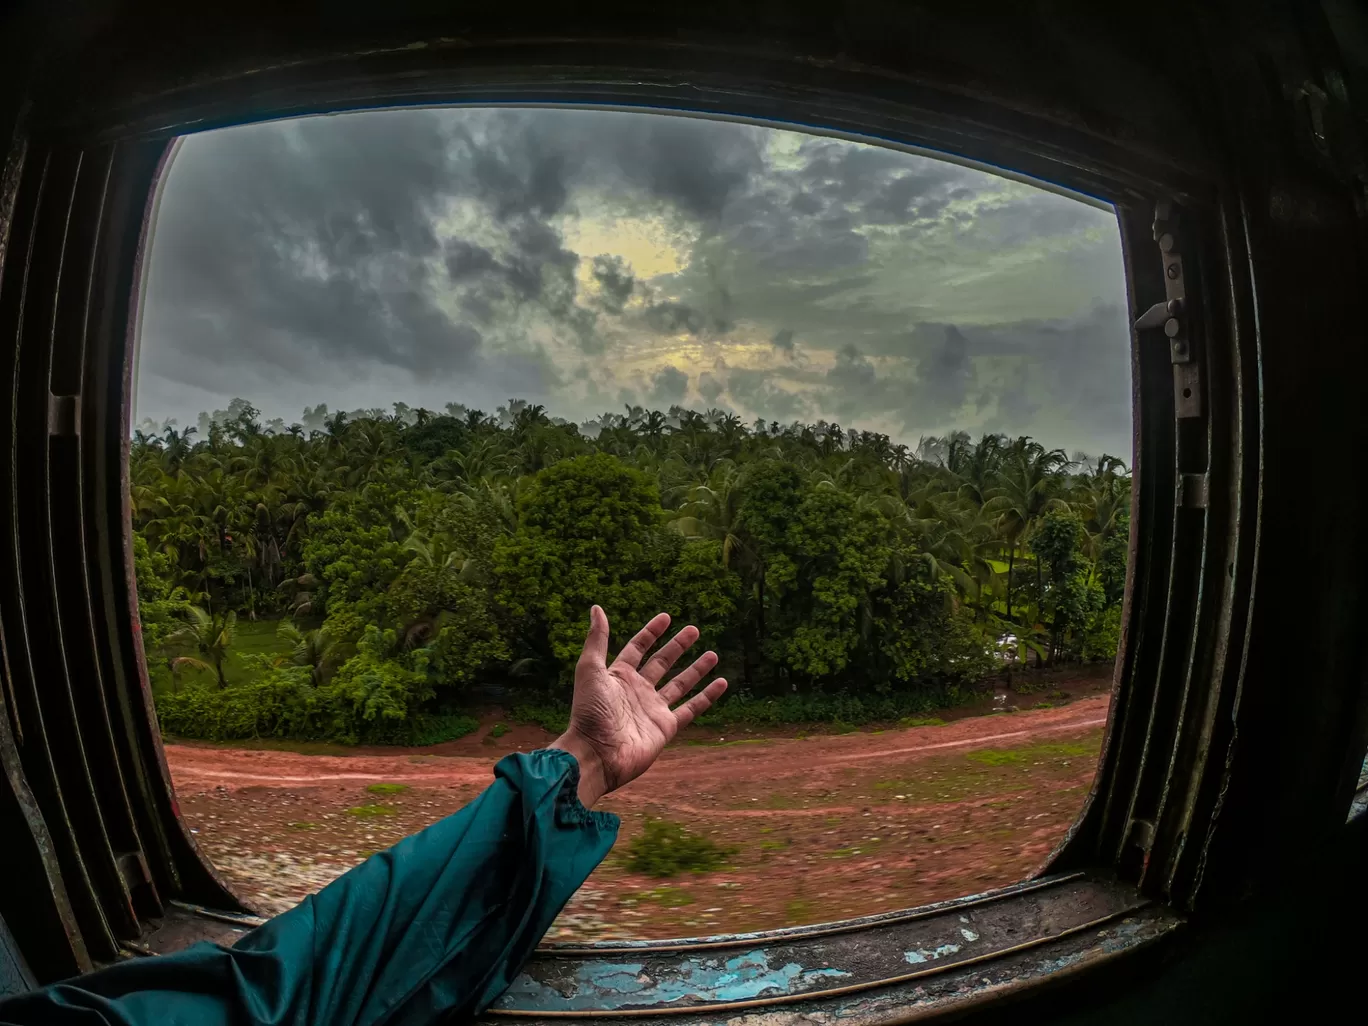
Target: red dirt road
x=822 y=827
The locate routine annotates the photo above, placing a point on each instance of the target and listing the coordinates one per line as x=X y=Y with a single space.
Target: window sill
x=879 y=969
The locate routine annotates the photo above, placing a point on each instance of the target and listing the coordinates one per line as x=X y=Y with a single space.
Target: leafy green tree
x=375 y=689
x=822 y=575
x=435 y=609
x=354 y=556
x=586 y=534
x=162 y=606
x=704 y=591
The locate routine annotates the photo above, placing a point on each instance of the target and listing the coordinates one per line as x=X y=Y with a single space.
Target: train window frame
x=124 y=874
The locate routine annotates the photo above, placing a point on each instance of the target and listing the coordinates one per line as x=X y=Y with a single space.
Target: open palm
x=621 y=716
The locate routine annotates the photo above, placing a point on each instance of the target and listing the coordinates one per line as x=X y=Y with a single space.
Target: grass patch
x=371 y=811
x=1031 y=753
x=254 y=637
x=666 y=848
x=921 y=721
x=498 y=730
x=773 y=845
x=863 y=848
x=667 y=896
x=387 y=788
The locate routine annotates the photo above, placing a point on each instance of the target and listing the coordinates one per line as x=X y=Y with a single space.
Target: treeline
x=415 y=557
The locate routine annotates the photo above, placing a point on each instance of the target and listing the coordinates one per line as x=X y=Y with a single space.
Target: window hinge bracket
x=1171 y=315
x=64 y=415
x=1193 y=491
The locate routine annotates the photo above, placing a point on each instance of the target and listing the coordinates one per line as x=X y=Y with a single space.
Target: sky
x=587 y=260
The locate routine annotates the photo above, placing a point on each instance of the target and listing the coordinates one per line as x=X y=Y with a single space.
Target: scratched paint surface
x=602 y=985
x=943 y=989
x=789 y=967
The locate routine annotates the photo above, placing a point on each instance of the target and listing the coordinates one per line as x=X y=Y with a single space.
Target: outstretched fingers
x=686 y=680
x=659 y=664
x=631 y=656
x=700 y=703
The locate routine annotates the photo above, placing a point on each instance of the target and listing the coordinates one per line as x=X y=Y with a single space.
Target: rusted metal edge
x=640 y=983
x=737 y=940
x=1104 y=939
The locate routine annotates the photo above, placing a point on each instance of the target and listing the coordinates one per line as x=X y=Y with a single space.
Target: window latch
x=1171 y=315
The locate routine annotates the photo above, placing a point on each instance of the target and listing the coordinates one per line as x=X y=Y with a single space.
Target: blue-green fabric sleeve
x=439 y=924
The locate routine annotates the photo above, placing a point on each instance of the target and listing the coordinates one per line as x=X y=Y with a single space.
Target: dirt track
x=822 y=827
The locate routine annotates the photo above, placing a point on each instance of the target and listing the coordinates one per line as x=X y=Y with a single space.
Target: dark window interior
x=1231 y=141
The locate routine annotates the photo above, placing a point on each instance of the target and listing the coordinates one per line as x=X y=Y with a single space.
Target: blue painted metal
x=803 y=967
x=606 y=985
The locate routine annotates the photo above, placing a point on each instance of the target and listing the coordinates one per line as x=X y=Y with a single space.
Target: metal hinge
x=64 y=415
x=1171 y=315
x=1193 y=491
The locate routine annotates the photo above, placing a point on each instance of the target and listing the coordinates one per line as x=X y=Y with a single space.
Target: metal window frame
x=1182 y=778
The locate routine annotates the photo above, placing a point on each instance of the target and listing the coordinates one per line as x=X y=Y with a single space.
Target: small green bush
x=666 y=849
x=921 y=721
x=387 y=788
x=498 y=730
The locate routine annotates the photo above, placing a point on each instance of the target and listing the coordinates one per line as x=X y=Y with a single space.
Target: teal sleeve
x=439 y=924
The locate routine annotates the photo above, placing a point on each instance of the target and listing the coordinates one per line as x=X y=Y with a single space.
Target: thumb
x=596 y=642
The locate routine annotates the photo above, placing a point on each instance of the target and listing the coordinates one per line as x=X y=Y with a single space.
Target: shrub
x=841 y=707
x=498 y=730
x=279 y=703
x=665 y=849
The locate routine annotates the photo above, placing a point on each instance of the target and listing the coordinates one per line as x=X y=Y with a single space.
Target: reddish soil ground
x=819 y=827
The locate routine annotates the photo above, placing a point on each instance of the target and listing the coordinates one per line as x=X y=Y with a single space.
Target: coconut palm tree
x=211 y=636
x=1024 y=492
x=316 y=649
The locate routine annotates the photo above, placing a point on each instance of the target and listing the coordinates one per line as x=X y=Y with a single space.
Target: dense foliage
x=415 y=557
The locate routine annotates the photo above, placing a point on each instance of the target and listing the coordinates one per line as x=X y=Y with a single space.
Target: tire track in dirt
x=195 y=768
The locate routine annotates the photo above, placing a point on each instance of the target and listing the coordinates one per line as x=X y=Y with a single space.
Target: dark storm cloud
x=615 y=280
x=668 y=386
x=710 y=387
x=313 y=246
x=783 y=341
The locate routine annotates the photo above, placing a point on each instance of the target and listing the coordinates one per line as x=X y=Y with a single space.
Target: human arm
x=440 y=923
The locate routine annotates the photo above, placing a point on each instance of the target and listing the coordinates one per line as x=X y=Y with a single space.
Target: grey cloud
x=945 y=375
x=616 y=281
x=783 y=341
x=668 y=386
x=710 y=387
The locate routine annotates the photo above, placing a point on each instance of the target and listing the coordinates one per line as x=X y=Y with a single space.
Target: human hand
x=619 y=720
